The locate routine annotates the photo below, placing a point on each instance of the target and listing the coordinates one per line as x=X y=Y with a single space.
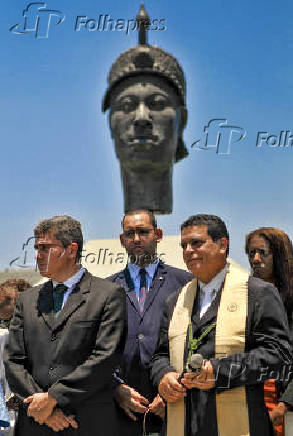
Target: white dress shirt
x=70 y=283
x=208 y=291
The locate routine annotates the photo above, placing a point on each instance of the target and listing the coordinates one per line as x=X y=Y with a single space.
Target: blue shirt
x=150 y=272
x=70 y=283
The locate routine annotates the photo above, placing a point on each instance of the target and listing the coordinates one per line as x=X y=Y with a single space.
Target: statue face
x=145 y=123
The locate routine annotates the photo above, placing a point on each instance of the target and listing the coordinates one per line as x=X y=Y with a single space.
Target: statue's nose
x=142 y=116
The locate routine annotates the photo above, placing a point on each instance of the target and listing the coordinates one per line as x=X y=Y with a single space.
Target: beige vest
x=232 y=411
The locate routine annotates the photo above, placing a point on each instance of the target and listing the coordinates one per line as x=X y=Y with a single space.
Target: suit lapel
x=45 y=304
x=75 y=300
x=157 y=282
x=127 y=283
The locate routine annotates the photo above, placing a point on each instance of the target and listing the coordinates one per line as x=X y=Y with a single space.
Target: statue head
x=146 y=97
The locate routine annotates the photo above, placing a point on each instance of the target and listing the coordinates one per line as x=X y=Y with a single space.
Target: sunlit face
x=140 y=238
x=52 y=258
x=261 y=258
x=145 y=121
x=203 y=257
x=7 y=302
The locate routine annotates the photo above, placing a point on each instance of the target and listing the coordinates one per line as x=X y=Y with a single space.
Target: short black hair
x=216 y=228
x=137 y=211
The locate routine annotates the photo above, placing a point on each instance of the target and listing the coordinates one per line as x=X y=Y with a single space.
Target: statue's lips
x=143 y=144
x=143 y=139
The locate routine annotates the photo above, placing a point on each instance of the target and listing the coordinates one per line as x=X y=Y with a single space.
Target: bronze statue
x=146 y=97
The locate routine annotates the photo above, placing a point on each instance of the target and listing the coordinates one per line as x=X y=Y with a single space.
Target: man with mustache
x=148 y=282
x=237 y=323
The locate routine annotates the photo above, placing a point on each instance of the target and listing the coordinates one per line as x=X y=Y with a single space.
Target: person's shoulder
x=259 y=286
x=33 y=292
x=171 y=300
x=261 y=292
x=105 y=285
x=178 y=272
x=114 y=277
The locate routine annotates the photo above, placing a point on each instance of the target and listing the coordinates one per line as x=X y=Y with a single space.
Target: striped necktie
x=58 y=295
x=142 y=289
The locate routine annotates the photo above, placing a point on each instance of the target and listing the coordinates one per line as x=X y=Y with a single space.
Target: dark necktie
x=142 y=289
x=58 y=295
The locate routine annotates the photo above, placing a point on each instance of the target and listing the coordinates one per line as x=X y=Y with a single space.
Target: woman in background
x=270 y=254
x=9 y=291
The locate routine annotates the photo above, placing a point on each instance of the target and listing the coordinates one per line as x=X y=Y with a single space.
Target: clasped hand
x=172 y=390
x=42 y=408
x=132 y=401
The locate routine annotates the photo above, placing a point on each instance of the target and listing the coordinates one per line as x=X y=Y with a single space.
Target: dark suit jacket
x=142 y=337
x=73 y=358
x=267 y=349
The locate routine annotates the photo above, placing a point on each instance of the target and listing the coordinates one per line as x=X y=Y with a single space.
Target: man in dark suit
x=148 y=282
x=65 y=341
x=237 y=323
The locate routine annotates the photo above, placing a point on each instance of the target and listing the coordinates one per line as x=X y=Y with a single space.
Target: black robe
x=267 y=350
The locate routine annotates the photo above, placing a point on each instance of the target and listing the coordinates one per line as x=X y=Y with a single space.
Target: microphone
x=193 y=366
x=195 y=363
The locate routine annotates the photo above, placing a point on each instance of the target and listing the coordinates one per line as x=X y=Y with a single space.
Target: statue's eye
x=127 y=104
x=157 y=102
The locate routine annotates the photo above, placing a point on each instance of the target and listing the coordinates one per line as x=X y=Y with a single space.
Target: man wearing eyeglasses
x=65 y=341
x=148 y=282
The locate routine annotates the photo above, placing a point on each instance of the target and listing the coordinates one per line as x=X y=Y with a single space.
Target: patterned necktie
x=207 y=299
x=58 y=295
x=142 y=289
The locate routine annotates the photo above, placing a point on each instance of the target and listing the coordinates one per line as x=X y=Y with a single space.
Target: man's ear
x=224 y=244
x=159 y=234
x=121 y=237
x=72 y=249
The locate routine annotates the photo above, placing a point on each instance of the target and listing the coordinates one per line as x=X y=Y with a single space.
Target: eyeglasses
x=45 y=248
x=194 y=243
x=261 y=252
x=142 y=233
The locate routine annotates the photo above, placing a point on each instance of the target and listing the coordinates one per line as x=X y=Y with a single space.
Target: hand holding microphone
x=194 y=366
x=199 y=374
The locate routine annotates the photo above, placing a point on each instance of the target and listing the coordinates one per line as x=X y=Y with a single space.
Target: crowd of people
x=88 y=356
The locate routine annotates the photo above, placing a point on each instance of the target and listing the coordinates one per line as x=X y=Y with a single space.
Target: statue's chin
x=145 y=166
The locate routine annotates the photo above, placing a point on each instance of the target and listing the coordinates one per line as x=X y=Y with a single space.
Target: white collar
x=215 y=283
x=71 y=281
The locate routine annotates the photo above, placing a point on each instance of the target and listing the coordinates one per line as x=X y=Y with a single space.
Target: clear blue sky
x=57 y=154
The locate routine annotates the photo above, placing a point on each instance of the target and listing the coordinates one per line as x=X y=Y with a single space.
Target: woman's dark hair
x=282 y=251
